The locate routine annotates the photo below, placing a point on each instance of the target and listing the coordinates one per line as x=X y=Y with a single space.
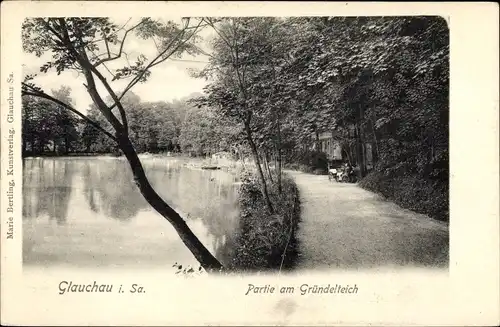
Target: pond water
x=87 y=212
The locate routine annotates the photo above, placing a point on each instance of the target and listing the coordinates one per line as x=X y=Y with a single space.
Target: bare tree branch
x=156 y=60
x=196 y=27
x=219 y=33
x=107 y=45
x=114 y=33
x=109 y=71
x=156 y=45
x=123 y=26
x=203 y=52
x=121 y=46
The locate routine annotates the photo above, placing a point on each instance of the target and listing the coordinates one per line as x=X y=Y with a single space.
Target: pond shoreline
x=228 y=165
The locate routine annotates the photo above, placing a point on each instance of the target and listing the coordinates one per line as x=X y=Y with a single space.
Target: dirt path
x=347 y=227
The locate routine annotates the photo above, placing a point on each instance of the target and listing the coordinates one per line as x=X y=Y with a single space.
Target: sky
x=169 y=80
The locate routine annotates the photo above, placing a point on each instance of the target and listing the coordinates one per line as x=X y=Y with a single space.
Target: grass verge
x=266 y=242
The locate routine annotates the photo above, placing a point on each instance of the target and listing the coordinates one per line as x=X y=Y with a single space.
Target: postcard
x=249 y=163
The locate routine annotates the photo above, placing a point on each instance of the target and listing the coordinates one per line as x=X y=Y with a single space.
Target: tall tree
x=66 y=121
x=238 y=50
x=87 y=45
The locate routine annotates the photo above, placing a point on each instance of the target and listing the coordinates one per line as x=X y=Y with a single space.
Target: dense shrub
x=315 y=159
x=309 y=161
x=266 y=242
x=421 y=195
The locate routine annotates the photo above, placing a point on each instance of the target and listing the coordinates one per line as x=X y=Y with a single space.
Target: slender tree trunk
x=278 y=155
x=363 y=147
x=362 y=140
x=347 y=151
x=263 y=160
x=376 y=152
x=255 y=153
x=66 y=147
x=32 y=144
x=24 y=147
x=41 y=146
x=359 y=152
x=318 y=143
x=266 y=165
x=200 y=252
x=268 y=157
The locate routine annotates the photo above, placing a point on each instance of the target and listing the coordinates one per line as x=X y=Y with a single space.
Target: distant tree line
x=155 y=127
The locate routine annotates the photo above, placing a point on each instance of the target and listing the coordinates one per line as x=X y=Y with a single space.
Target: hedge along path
x=345 y=226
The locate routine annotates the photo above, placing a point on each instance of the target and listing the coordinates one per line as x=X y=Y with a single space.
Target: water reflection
x=109 y=191
x=201 y=194
x=102 y=219
x=47 y=189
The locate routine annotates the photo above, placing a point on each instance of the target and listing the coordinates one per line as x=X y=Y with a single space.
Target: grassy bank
x=420 y=195
x=266 y=242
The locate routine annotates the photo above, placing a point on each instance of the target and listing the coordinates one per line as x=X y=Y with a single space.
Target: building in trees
x=341 y=148
x=329 y=145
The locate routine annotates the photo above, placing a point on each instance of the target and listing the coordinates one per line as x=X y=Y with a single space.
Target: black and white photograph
x=262 y=143
x=231 y=146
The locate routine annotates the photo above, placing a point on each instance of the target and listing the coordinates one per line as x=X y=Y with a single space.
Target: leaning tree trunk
x=200 y=252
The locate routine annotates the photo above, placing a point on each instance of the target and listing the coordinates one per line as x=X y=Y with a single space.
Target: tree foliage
x=379 y=84
x=48 y=127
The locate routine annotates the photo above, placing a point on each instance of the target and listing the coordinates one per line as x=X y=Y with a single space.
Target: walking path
x=345 y=226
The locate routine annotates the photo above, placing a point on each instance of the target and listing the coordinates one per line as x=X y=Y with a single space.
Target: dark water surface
x=87 y=212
